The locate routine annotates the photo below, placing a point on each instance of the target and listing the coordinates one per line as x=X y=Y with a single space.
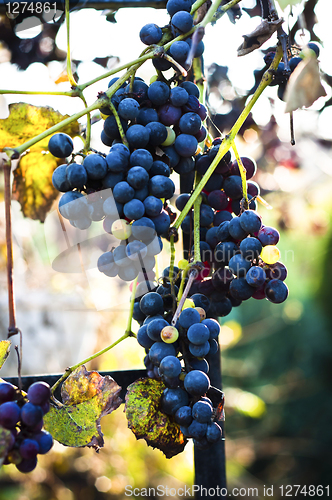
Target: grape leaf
x=285 y=3
x=87 y=396
x=304 y=86
x=5 y=442
x=4 y=351
x=26 y=121
x=146 y=420
x=32 y=185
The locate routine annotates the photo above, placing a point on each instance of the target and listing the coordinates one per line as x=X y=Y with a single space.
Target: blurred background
x=276 y=359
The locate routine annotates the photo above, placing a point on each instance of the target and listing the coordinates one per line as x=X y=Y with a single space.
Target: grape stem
x=88 y=126
x=171 y=265
x=12 y=328
x=119 y=124
x=229 y=138
x=243 y=175
x=192 y=276
x=128 y=333
x=197 y=248
x=71 y=78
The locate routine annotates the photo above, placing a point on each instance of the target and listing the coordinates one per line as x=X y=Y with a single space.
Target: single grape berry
x=60 y=145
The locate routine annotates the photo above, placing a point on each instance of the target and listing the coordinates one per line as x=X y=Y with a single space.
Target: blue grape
x=256 y=276
x=27 y=465
x=136 y=250
x=170 y=366
x=196 y=383
x=221 y=216
x=213 y=432
x=191 y=88
x=169 y=114
x=276 y=291
x=128 y=272
x=202 y=412
x=161 y=222
x=179 y=51
x=158 y=133
x=39 y=393
x=73 y=205
x=224 y=251
x=239 y=265
x=60 y=145
x=183 y=416
x=107 y=265
x=233 y=187
x=201 y=300
x=181 y=201
x=142 y=337
x=189 y=317
x=158 y=93
x=160 y=168
x=190 y=123
x=141 y=194
x=146 y=116
x=59 y=179
x=161 y=187
x=173 y=399
x=44 y=440
x=218 y=200
x=199 y=350
x=137 y=177
x=76 y=175
x=250 y=248
x=196 y=429
x=31 y=414
x=159 y=351
x=111 y=128
x=139 y=90
x=141 y=158
x=154 y=328
x=150 y=34
x=250 y=221
x=29 y=448
x=123 y=192
x=235 y=229
x=111 y=179
x=178 y=96
x=95 y=166
x=174 y=6
x=240 y=289
x=137 y=136
x=198 y=334
x=128 y=108
x=151 y=304
x=185 y=145
x=153 y=206
x=199 y=364
x=172 y=155
x=7 y=392
x=10 y=414
x=143 y=229
x=134 y=209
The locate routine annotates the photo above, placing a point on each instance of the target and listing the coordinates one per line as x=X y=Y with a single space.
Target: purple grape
x=10 y=414
x=31 y=414
x=268 y=236
x=169 y=114
x=276 y=271
x=248 y=163
x=7 y=392
x=27 y=465
x=276 y=291
x=44 y=440
x=29 y=448
x=39 y=393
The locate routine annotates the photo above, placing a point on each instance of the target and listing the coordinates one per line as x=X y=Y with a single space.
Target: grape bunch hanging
x=153 y=131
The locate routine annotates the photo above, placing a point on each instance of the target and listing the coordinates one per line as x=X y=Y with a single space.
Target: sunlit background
x=275 y=358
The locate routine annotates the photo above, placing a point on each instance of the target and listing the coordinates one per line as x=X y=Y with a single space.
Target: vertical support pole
x=210 y=464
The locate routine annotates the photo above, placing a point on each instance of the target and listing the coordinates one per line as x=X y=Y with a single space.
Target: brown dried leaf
x=147 y=421
x=304 y=85
x=5 y=442
x=256 y=38
x=87 y=397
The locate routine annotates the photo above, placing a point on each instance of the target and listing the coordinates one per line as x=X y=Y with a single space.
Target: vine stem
x=242 y=173
x=88 y=126
x=12 y=328
x=119 y=124
x=192 y=276
x=71 y=78
x=70 y=93
x=229 y=139
x=171 y=264
x=197 y=248
x=128 y=333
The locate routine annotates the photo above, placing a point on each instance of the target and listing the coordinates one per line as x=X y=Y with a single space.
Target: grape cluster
x=281 y=76
x=181 y=21
x=23 y=416
x=175 y=355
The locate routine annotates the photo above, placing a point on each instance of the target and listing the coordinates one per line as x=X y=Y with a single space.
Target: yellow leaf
x=304 y=86
x=26 y=121
x=87 y=397
x=63 y=77
x=32 y=186
x=4 y=351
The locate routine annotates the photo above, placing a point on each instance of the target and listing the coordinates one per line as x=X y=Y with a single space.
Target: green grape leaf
x=147 y=421
x=285 y=3
x=4 y=351
x=87 y=397
x=5 y=442
x=32 y=185
x=26 y=121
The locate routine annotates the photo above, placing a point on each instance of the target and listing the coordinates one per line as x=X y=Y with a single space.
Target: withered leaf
x=87 y=397
x=256 y=38
x=304 y=86
x=4 y=351
x=147 y=421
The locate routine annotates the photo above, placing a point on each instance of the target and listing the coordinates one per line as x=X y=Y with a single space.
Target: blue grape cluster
x=181 y=21
x=281 y=76
x=176 y=355
x=23 y=417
